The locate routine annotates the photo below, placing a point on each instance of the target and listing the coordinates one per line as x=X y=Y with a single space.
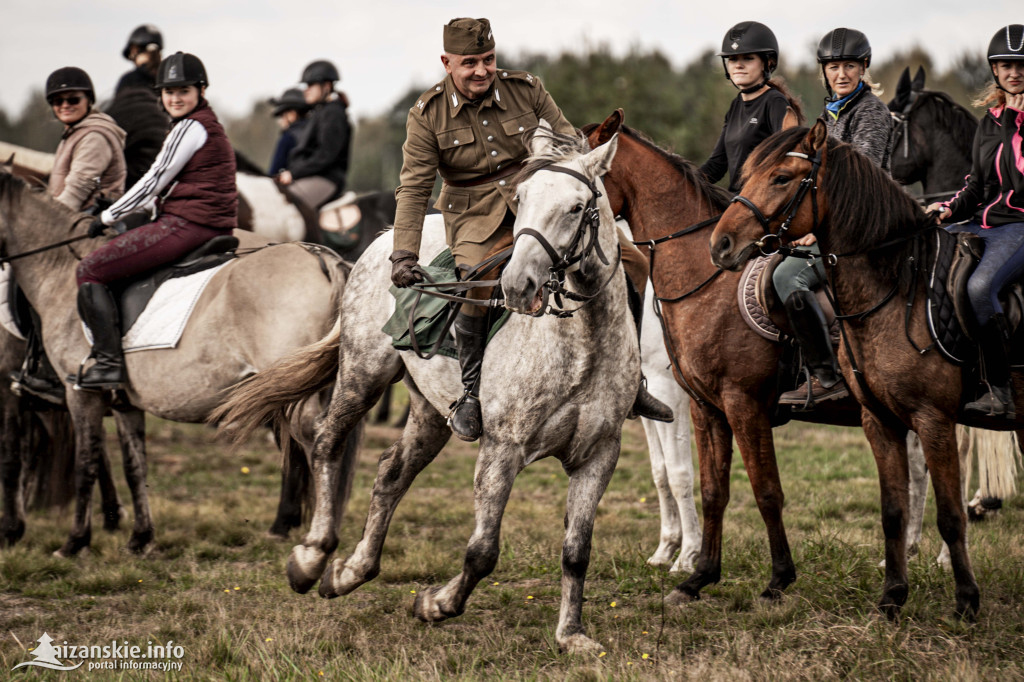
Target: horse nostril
x=725 y=244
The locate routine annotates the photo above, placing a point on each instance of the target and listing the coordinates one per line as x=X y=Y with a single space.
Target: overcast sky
x=255 y=49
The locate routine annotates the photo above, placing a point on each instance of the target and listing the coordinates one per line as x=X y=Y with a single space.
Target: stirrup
x=454 y=407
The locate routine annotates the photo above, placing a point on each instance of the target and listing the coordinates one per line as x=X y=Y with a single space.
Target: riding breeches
x=142 y=249
x=799 y=274
x=1001 y=265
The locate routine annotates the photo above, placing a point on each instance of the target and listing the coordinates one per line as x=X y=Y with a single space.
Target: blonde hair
x=990 y=96
x=876 y=88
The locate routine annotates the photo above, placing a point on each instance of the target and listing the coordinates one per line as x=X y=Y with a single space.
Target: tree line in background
x=681 y=109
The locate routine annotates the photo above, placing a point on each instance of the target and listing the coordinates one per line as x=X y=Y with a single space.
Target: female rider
x=89 y=163
x=763 y=106
x=992 y=202
x=853 y=114
x=191 y=186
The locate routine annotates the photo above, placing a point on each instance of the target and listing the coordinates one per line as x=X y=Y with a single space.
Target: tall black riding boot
x=37 y=375
x=98 y=310
x=997 y=400
x=645 y=404
x=465 y=418
x=811 y=330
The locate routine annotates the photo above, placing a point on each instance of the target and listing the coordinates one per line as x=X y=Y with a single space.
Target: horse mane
x=950 y=115
x=866 y=206
x=719 y=197
x=12 y=187
x=563 y=148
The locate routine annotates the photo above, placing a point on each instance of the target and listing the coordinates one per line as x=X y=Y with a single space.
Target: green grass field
x=215 y=585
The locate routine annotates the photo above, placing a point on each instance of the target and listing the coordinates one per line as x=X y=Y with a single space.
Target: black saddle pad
x=943 y=325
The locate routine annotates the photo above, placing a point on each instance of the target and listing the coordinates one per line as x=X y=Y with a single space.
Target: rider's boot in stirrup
x=997 y=400
x=37 y=375
x=465 y=419
x=811 y=331
x=645 y=404
x=98 y=310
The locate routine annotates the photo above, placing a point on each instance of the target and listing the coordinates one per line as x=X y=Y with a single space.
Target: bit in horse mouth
x=537 y=302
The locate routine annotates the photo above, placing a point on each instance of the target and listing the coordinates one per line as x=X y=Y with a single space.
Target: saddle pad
x=750 y=307
x=163 y=321
x=943 y=326
x=431 y=313
x=8 y=318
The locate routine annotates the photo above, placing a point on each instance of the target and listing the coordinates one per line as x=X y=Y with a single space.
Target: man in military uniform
x=470 y=128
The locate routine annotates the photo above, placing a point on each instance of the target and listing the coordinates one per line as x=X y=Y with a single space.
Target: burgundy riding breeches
x=144 y=248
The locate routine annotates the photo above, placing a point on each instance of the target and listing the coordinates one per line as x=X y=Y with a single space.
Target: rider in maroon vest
x=191 y=190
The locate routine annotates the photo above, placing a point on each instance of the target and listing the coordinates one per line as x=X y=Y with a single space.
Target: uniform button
x=490 y=138
x=484 y=122
x=438 y=87
x=494 y=153
x=455 y=142
x=504 y=74
x=499 y=167
x=521 y=128
x=501 y=182
x=449 y=205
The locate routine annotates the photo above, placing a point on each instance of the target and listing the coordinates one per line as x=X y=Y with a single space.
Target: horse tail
x=998 y=459
x=272 y=395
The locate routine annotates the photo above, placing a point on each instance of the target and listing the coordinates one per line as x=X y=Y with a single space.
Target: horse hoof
x=13 y=533
x=428 y=609
x=327 y=590
x=580 y=644
x=277 y=537
x=112 y=518
x=679 y=597
x=140 y=542
x=305 y=566
x=771 y=594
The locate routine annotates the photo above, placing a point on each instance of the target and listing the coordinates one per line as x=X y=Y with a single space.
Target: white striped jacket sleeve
x=184 y=140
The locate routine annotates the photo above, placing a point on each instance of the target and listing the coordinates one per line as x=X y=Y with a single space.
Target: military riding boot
x=645 y=404
x=98 y=311
x=997 y=400
x=811 y=330
x=465 y=419
x=37 y=375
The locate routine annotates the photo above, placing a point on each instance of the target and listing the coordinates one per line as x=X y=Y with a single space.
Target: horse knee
x=892 y=520
x=575 y=560
x=951 y=527
x=481 y=558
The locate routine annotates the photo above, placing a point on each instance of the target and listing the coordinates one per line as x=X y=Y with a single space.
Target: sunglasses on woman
x=73 y=100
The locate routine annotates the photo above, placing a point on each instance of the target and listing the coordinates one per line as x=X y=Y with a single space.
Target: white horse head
x=551 y=224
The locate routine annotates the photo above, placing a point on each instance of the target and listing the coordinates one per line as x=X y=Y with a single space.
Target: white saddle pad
x=6 y=316
x=163 y=321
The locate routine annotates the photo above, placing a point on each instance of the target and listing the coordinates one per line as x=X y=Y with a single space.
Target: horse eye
x=780 y=179
x=577 y=208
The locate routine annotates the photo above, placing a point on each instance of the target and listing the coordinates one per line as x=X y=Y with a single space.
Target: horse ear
x=599 y=161
x=541 y=142
x=610 y=126
x=918 y=84
x=816 y=137
x=903 y=84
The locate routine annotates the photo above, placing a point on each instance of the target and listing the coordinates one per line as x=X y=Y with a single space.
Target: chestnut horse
x=872 y=231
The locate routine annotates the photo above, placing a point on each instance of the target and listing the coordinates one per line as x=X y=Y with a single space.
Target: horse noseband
x=809 y=183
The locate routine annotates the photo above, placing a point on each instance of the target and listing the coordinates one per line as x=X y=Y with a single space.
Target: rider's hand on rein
x=404 y=266
x=96 y=228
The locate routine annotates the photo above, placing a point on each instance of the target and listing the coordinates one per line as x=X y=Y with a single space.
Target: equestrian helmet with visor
x=1007 y=45
x=181 y=69
x=844 y=45
x=320 y=71
x=751 y=37
x=291 y=99
x=147 y=37
x=67 y=79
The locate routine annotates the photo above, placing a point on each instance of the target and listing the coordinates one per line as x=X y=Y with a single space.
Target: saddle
x=761 y=308
x=340 y=222
x=133 y=296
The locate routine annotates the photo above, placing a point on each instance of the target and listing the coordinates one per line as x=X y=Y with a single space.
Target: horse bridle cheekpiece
x=585 y=241
x=809 y=183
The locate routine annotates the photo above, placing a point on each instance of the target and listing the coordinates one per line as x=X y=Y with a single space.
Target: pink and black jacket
x=994 y=193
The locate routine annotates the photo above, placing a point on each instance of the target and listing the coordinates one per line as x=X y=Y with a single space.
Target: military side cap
x=468 y=36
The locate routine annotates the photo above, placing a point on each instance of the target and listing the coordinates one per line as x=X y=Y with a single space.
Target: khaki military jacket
x=463 y=142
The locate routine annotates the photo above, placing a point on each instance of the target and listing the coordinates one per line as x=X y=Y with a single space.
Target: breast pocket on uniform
x=456 y=147
x=517 y=125
x=452 y=200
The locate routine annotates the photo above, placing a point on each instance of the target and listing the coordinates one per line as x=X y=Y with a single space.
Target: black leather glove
x=402 y=268
x=101 y=205
x=96 y=228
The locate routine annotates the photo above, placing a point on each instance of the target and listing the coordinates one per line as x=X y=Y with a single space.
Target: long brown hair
x=779 y=83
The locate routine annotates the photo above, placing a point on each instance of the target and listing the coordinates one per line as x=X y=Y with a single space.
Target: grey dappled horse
x=254 y=311
x=550 y=387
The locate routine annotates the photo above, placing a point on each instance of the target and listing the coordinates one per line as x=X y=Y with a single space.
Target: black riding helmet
x=751 y=37
x=67 y=79
x=180 y=69
x=1007 y=45
x=843 y=45
x=292 y=98
x=147 y=37
x=319 y=71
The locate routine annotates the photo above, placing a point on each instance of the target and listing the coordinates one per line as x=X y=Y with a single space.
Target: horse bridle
x=902 y=119
x=808 y=184
x=585 y=241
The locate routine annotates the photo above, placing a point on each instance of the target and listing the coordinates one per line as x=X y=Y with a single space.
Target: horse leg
x=888 y=445
x=714 y=454
x=294 y=481
x=679 y=463
x=362 y=378
x=939 y=442
x=497 y=468
x=110 y=501
x=918 y=472
x=131 y=428
x=586 y=487
x=422 y=439
x=12 y=471
x=671 y=537
x=87 y=412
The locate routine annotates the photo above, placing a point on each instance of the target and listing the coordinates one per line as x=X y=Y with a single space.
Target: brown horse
x=801 y=181
x=729 y=370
